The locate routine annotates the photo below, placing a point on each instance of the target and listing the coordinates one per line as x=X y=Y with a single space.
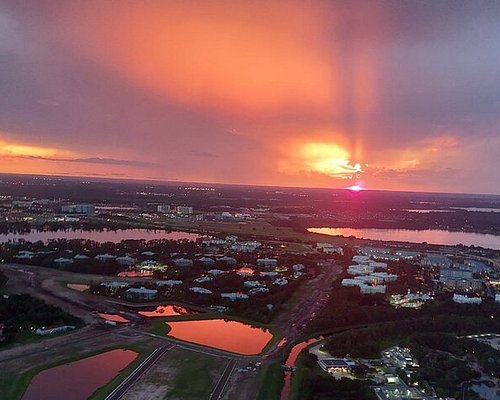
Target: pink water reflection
x=290 y=362
x=167 y=311
x=79 y=379
x=233 y=336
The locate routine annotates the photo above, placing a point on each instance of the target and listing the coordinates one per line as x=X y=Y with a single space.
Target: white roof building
x=365 y=260
x=200 y=290
x=298 y=267
x=206 y=261
x=62 y=260
x=183 y=262
x=252 y=284
x=234 y=296
x=169 y=282
x=115 y=284
x=267 y=262
x=257 y=290
x=125 y=260
x=360 y=269
x=142 y=292
x=104 y=257
x=216 y=272
x=459 y=298
x=203 y=279
x=280 y=281
x=368 y=289
x=271 y=274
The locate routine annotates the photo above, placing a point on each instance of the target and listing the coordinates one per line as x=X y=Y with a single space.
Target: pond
x=78 y=379
x=113 y=318
x=232 y=336
x=168 y=310
x=432 y=236
x=100 y=236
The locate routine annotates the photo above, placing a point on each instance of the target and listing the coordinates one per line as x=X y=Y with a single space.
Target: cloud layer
x=398 y=95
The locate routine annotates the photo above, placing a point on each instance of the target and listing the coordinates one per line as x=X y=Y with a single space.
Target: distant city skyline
x=394 y=95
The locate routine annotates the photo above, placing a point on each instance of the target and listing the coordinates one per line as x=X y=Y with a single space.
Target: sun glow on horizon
x=355 y=188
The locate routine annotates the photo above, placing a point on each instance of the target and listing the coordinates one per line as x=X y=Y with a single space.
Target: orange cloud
x=248 y=57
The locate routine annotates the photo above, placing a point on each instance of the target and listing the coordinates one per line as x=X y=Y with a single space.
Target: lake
x=98 y=235
x=78 y=379
x=432 y=236
x=168 y=310
x=232 y=336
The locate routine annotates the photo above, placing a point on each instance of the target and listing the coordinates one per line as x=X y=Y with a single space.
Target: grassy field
x=193 y=379
x=271 y=382
x=13 y=386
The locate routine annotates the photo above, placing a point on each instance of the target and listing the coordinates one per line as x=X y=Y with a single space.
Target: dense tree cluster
x=23 y=314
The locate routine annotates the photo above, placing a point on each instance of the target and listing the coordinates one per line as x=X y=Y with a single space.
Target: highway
x=134 y=376
x=222 y=382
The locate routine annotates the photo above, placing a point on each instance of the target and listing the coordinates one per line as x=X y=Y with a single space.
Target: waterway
x=290 y=363
x=100 y=236
x=232 y=336
x=431 y=236
x=78 y=379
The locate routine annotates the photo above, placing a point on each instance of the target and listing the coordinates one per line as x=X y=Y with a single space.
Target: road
x=136 y=374
x=222 y=382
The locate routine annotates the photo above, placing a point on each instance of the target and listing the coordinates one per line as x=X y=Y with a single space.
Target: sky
x=395 y=95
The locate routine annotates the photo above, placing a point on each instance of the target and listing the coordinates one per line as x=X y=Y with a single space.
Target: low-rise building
x=183 y=262
x=52 y=330
x=267 y=262
x=234 y=296
x=142 y=293
x=200 y=290
x=459 y=298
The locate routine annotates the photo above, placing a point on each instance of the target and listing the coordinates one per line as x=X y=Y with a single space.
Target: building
x=336 y=365
x=436 y=260
x=206 y=261
x=169 y=282
x=56 y=329
x=360 y=269
x=363 y=260
x=216 y=272
x=63 y=261
x=183 y=262
x=267 y=262
x=281 y=281
x=185 y=210
x=200 y=290
x=78 y=209
x=163 y=208
x=104 y=257
x=126 y=260
x=229 y=261
x=142 y=293
x=329 y=248
x=458 y=298
x=203 y=279
x=369 y=289
x=234 y=296
x=257 y=290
